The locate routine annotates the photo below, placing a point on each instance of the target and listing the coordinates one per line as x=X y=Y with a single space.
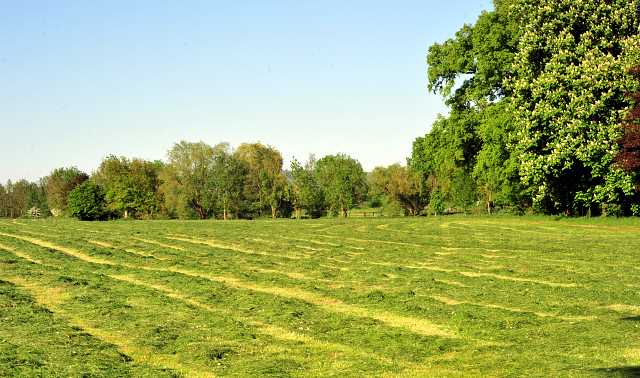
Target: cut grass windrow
x=375 y=297
x=419 y=326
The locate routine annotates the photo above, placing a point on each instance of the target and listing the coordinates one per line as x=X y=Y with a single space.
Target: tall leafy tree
x=469 y=72
x=568 y=87
x=132 y=186
x=58 y=185
x=539 y=89
x=306 y=192
x=496 y=168
x=450 y=147
x=275 y=191
x=16 y=197
x=404 y=184
x=226 y=179
x=86 y=202
x=263 y=181
x=189 y=170
x=343 y=182
x=36 y=202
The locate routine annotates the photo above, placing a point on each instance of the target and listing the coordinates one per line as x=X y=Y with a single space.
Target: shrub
x=86 y=202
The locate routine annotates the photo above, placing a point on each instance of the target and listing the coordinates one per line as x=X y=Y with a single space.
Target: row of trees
x=538 y=93
x=46 y=197
x=198 y=181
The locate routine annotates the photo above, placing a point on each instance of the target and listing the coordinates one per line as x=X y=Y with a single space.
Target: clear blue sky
x=80 y=80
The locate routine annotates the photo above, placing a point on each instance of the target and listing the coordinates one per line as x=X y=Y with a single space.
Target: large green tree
x=86 y=202
x=16 y=195
x=470 y=144
x=187 y=174
x=264 y=182
x=404 y=184
x=226 y=179
x=343 y=182
x=36 y=203
x=132 y=186
x=59 y=184
x=568 y=88
x=306 y=191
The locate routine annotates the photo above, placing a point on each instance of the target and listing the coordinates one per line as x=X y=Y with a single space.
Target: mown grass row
x=356 y=297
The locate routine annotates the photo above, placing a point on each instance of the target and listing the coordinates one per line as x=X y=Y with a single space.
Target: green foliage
x=392 y=207
x=568 y=94
x=306 y=192
x=483 y=53
x=474 y=138
x=35 y=205
x=534 y=117
x=343 y=182
x=132 y=186
x=14 y=197
x=463 y=190
x=437 y=201
x=189 y=170
x=58 y=185
x=405 y=185
x=86 y=202
x=226 y=182
x=265 y=186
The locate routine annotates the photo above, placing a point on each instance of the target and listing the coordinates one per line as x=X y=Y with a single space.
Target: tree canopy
x=536 y=92
x=86 y=202
x=343 y=182
x=132 y=186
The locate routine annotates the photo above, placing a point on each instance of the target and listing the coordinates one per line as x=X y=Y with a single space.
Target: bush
x=86 y=202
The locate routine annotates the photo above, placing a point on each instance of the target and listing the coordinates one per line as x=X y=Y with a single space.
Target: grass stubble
x=401 y=297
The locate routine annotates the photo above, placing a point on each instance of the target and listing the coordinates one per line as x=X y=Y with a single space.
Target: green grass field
x=375 y=297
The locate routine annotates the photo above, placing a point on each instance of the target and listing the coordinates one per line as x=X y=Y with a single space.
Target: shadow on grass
x=632 y=318
x=625 y=371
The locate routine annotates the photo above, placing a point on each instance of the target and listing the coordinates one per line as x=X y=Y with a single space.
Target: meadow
x=440 y=296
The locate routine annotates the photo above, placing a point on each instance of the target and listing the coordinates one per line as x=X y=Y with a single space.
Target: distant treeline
x=199 y=181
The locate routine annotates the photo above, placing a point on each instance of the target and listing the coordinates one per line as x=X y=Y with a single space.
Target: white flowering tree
x=568 y=95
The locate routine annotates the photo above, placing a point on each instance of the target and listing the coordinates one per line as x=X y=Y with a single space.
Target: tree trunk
x=273 y=211
x=126 y=214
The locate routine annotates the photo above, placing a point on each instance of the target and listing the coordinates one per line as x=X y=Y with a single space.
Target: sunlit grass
x=438 y=296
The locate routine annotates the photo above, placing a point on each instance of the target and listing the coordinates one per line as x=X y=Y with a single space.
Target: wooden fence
x=372 y=214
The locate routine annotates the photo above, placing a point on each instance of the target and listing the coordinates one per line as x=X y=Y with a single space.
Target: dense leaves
x=86 y=202
x=536 y=92
x=403 y=184
x=132 y=186
x=343 y=182
x=58 y=185
x=305 y=192
x=568 y=96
